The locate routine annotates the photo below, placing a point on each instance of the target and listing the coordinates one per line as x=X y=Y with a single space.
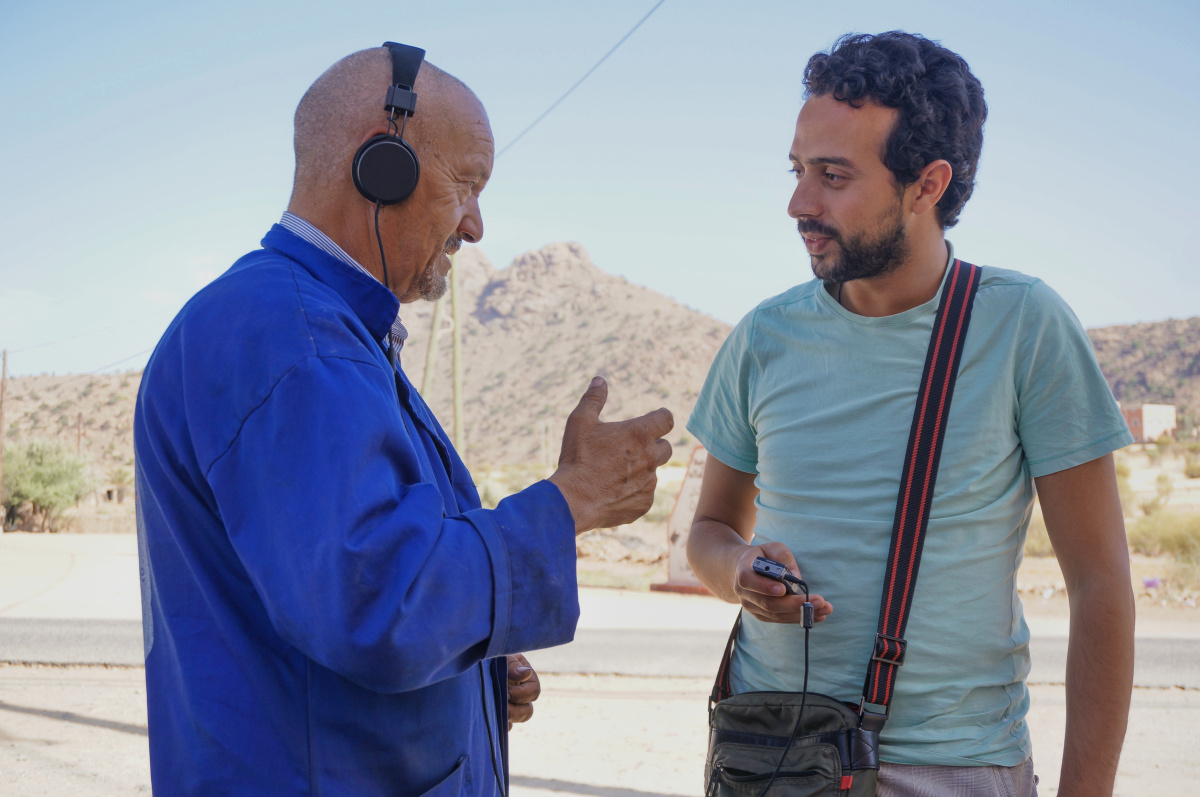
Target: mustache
x=453 y=244
x=814 y=227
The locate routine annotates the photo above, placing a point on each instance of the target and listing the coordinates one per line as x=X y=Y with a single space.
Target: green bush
x=1169 y=534
x=44 y=474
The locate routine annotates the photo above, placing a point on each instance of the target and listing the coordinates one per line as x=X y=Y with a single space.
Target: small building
x=113 y=493
x=1148 y=422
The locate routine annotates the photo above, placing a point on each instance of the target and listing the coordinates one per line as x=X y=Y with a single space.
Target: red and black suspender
x=916 y=494
x=918 y=478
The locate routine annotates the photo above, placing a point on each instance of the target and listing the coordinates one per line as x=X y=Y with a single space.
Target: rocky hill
x=1155 y=363
x=91 y=415
x=534 y=333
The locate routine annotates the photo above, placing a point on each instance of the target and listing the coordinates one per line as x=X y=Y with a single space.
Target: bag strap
x=917 y=482
x=721 y=688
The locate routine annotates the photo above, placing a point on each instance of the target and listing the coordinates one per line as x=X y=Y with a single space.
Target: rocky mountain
x=534 y=334
x=1156 y=363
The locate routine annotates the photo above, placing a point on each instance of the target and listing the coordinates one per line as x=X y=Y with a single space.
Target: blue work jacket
x=326 y=607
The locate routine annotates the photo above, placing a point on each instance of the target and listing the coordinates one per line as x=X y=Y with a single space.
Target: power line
x=118 y=362
x=586 y=74
x=90 y=332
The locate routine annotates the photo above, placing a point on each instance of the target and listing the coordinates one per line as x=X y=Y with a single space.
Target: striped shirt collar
x=306 y=231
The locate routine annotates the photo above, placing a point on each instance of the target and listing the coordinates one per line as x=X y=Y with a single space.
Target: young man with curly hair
x=806 y=415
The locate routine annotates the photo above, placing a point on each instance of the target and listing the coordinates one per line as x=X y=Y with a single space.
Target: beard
x=431 y=284
x=862 y=256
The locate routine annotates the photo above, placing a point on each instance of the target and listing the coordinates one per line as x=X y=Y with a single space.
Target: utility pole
x=456 y=332
x=435 y=330
x=3 y=379
x=79 y=434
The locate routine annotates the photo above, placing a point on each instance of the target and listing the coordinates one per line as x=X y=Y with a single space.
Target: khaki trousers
x=903 y=780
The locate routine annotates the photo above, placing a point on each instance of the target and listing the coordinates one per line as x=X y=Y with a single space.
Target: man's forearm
x=713 y=552
x=1099 y=683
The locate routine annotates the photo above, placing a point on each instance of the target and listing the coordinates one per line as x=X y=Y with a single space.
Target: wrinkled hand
x=523 y=688
x=767 y=599
x=608 y=471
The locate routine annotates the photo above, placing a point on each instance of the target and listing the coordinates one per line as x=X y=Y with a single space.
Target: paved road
x=34 y=640
x=695 y=654
x=691 y=653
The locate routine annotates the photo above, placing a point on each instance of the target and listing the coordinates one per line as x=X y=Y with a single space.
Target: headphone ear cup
x=385 y=169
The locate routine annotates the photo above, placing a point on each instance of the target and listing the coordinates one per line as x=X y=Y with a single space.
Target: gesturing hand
x=607 y=471
x=767 y=599
x=523 y=688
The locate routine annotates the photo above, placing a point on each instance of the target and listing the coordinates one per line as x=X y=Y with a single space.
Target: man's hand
x=722 y=557
x=766 y=598
x=523 y=688
x=607 y=471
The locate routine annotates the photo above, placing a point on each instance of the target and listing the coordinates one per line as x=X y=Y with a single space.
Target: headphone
x=385 y=167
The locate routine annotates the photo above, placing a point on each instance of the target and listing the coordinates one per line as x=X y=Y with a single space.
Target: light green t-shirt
x=818 y=402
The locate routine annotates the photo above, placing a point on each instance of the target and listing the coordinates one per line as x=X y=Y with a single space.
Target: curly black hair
x=940 y=102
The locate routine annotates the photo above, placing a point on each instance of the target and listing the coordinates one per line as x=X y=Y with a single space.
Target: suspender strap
x=917 y=482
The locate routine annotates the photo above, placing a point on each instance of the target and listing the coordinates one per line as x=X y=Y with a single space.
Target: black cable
x=379 y=239
x=800 y=716
x=586 y=74
x=488 y=724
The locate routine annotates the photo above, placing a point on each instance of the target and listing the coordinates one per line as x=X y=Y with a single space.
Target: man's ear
x=932 y=183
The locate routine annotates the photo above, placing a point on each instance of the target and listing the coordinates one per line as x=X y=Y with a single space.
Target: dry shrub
x=1191 y=467
x=1185 y=576
x=1170 y=534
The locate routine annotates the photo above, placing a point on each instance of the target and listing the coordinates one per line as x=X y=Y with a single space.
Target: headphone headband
x=406 y=62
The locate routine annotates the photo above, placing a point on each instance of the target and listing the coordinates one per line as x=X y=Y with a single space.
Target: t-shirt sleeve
x=1066 y=413
x=721 y=418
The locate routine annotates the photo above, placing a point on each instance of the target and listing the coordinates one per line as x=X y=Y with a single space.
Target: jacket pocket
x=452 y=784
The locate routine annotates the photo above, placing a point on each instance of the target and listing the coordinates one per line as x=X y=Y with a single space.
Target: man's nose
x=805 y=199
x=470 y=228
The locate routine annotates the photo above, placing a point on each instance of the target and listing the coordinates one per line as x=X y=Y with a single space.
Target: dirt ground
x=81 y=731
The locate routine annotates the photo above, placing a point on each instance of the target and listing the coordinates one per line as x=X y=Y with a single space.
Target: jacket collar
x=375 y=305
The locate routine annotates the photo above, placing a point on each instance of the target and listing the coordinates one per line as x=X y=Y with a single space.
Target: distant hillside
x=534 y=333
x=53 y=406
x=1157 y=363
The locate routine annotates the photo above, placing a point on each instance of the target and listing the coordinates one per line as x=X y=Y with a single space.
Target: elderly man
x=327 y=609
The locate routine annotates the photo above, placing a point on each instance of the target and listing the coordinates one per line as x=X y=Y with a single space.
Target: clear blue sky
x=145 y=146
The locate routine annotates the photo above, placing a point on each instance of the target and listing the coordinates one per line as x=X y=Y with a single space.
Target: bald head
x=406 y=245
x=343 y=106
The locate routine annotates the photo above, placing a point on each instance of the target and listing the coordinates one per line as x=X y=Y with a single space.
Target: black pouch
x=835 y=750
x=831 y=754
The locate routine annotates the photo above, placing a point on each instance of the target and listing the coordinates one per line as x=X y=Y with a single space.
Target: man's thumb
x=593 y=398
